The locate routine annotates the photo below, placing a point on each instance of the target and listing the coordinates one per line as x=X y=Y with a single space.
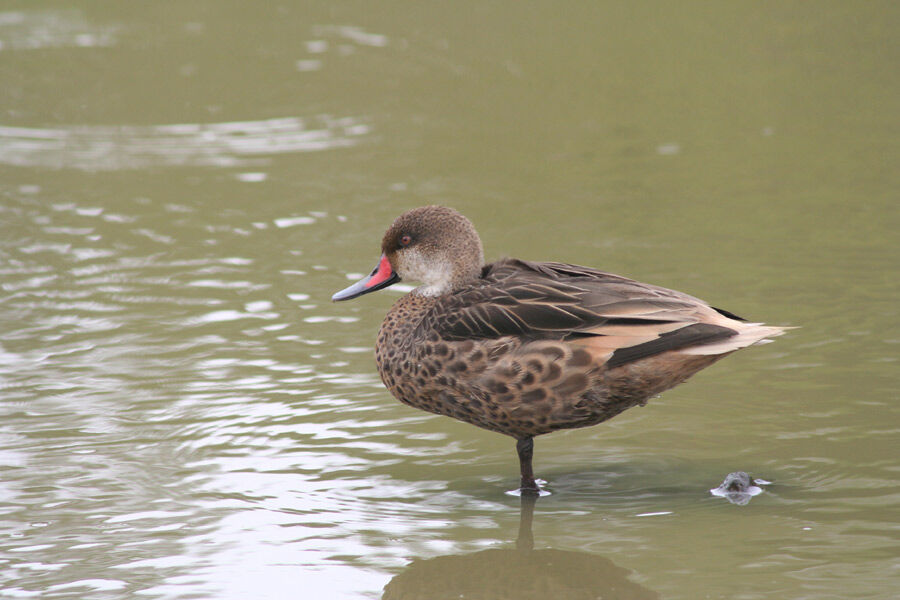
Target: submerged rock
x=738 y=488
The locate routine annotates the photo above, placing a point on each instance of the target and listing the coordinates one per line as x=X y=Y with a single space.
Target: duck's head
x=434 y=245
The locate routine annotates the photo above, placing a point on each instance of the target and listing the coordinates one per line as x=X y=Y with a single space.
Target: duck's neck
x=432 y=290
x=406 y=314
x=400 y=332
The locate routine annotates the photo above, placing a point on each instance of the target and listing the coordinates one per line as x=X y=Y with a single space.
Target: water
x=183 y=187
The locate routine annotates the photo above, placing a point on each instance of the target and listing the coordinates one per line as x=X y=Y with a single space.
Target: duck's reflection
x=521 y=573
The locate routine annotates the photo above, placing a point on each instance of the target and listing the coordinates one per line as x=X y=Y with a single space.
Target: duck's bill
x=381 y=277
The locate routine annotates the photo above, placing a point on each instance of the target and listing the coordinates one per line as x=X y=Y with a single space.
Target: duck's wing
x=619 y=319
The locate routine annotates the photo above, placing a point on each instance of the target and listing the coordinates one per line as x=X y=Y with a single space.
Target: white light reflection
x=115 y=147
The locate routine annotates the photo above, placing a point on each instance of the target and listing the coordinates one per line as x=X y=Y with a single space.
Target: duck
x=525 y=348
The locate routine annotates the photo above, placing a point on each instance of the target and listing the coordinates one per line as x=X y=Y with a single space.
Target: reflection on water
x=34 y=29
x=102 y=148
x=348 y=32
x=124 y=392
x=520 y=573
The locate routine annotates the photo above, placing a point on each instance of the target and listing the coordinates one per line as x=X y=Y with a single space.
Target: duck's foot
x=536 y=491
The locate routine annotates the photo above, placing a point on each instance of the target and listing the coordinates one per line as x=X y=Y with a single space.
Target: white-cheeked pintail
x=525 y=348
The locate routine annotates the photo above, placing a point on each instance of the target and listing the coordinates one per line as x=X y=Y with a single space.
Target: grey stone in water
x=738 y=488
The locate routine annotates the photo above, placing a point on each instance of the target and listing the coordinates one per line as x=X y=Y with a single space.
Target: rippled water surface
x=185 y=414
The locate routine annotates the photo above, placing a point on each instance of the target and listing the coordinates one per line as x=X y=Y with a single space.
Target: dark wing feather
x=559 y=301
x=698 y=333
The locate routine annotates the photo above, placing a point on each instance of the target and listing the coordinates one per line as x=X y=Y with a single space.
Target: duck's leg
x=525 y=448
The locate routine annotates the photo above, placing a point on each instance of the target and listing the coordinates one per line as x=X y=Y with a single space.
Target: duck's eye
x=405 y=240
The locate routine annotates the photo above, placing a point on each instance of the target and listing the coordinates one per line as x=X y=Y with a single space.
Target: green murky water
x=183 y=186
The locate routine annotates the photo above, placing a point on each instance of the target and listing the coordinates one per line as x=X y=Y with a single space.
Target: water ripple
x=228 y=144
x=32 y=30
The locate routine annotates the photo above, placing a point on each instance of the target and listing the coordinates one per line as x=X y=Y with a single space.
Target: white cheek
x=435 y=275
x=412 y=266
